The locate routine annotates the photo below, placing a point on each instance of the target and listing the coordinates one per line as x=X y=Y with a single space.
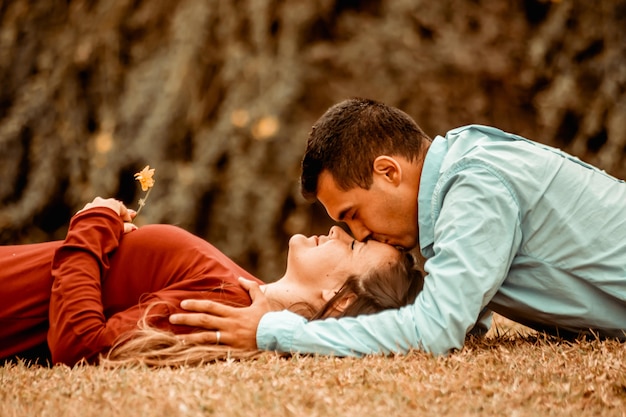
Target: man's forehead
x=335 y=200
x=327 y=188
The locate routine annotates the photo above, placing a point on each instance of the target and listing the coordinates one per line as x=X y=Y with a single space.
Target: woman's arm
x=77 y=323
x=103 y=284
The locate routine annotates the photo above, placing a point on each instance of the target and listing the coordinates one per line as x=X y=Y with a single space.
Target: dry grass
x=511 y=373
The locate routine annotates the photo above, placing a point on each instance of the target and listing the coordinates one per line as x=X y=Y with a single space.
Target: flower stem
x=142 y=202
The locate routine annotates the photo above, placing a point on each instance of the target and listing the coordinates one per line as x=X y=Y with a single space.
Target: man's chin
x=408 y=243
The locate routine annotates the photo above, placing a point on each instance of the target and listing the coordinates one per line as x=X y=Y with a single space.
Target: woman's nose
x=337 y=232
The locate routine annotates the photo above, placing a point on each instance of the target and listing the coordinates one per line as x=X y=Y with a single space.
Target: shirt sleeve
x=477 y=232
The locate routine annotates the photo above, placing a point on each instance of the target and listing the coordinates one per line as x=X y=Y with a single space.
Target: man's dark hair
x=349 y=136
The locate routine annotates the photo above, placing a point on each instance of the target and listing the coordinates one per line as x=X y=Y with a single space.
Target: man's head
x=363 y=162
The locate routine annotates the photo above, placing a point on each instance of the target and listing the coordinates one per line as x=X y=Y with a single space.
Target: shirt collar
x=430 y=174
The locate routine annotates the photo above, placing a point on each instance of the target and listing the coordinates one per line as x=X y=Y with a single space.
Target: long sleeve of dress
x=78 y=326
x=104 y=282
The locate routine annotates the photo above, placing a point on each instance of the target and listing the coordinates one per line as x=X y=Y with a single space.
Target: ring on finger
x=217 y=337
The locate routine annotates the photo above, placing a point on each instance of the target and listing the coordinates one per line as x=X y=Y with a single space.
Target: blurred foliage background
x=219 y=96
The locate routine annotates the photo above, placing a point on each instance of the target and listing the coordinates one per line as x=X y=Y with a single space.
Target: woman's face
x=325 y=262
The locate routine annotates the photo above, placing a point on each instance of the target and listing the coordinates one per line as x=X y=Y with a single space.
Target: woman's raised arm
x=77 y=323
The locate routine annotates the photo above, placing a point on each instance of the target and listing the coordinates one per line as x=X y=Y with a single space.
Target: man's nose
x=359 y=231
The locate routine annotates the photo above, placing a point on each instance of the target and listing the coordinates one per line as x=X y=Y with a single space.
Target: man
x=505 y=224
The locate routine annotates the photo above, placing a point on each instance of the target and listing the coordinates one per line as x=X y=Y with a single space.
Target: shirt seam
x=464 y=165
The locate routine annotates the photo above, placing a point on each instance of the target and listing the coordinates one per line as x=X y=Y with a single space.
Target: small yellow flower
x=147 y=182
x=145 y=178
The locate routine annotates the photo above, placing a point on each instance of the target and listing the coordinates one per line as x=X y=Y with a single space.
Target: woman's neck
x=275 y=294
x=282 y=295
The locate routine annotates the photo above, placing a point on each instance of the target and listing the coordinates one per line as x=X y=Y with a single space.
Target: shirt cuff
x=276 y=329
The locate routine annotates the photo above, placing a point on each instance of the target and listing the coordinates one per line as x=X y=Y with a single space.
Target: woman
x=75 y=299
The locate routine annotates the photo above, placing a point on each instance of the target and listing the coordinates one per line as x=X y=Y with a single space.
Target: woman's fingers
x=129 y=227
x=111 y=203
x=117 y=206
x=126 y=214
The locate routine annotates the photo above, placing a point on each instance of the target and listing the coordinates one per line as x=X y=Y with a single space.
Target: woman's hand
x=118 y=207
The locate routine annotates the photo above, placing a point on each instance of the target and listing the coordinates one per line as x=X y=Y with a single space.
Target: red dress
x=77 y=296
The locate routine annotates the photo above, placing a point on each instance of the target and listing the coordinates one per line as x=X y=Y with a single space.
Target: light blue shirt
x=507 y=225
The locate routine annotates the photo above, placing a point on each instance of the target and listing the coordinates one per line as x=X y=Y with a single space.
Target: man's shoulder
x=464 y=141
x=478 y=140
x=479 y=130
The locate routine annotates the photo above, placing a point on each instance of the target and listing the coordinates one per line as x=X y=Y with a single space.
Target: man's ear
x=389 y=168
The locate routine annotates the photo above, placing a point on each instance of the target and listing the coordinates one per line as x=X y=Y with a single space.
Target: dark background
x=219 y=96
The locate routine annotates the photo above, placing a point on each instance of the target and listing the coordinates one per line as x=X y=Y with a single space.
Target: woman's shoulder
x=165 y=241
x=164 y=231
x=165 y=237
x=163 y=228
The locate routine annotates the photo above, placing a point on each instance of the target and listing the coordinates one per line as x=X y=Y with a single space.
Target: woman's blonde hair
x=379 y=289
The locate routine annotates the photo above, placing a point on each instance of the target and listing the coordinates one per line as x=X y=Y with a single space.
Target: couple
x=109 y=288
x=505 y=224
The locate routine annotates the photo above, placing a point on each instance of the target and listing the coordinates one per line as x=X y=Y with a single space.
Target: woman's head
x=383 y=288
x=337 y=275
x=318 y=266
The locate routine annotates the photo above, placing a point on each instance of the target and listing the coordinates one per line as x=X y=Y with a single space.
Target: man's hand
x=236 y=326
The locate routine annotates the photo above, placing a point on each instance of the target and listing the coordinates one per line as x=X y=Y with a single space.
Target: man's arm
x=477 y=234
x=238 y=328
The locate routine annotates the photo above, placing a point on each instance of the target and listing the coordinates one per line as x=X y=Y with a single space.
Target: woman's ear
x=328 y=294
x=388 y=168
x=340 y=305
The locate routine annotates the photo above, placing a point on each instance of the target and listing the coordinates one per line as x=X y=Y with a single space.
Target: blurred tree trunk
x=219 y=96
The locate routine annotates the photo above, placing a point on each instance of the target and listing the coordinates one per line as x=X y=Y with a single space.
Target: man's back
x=569 y=265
